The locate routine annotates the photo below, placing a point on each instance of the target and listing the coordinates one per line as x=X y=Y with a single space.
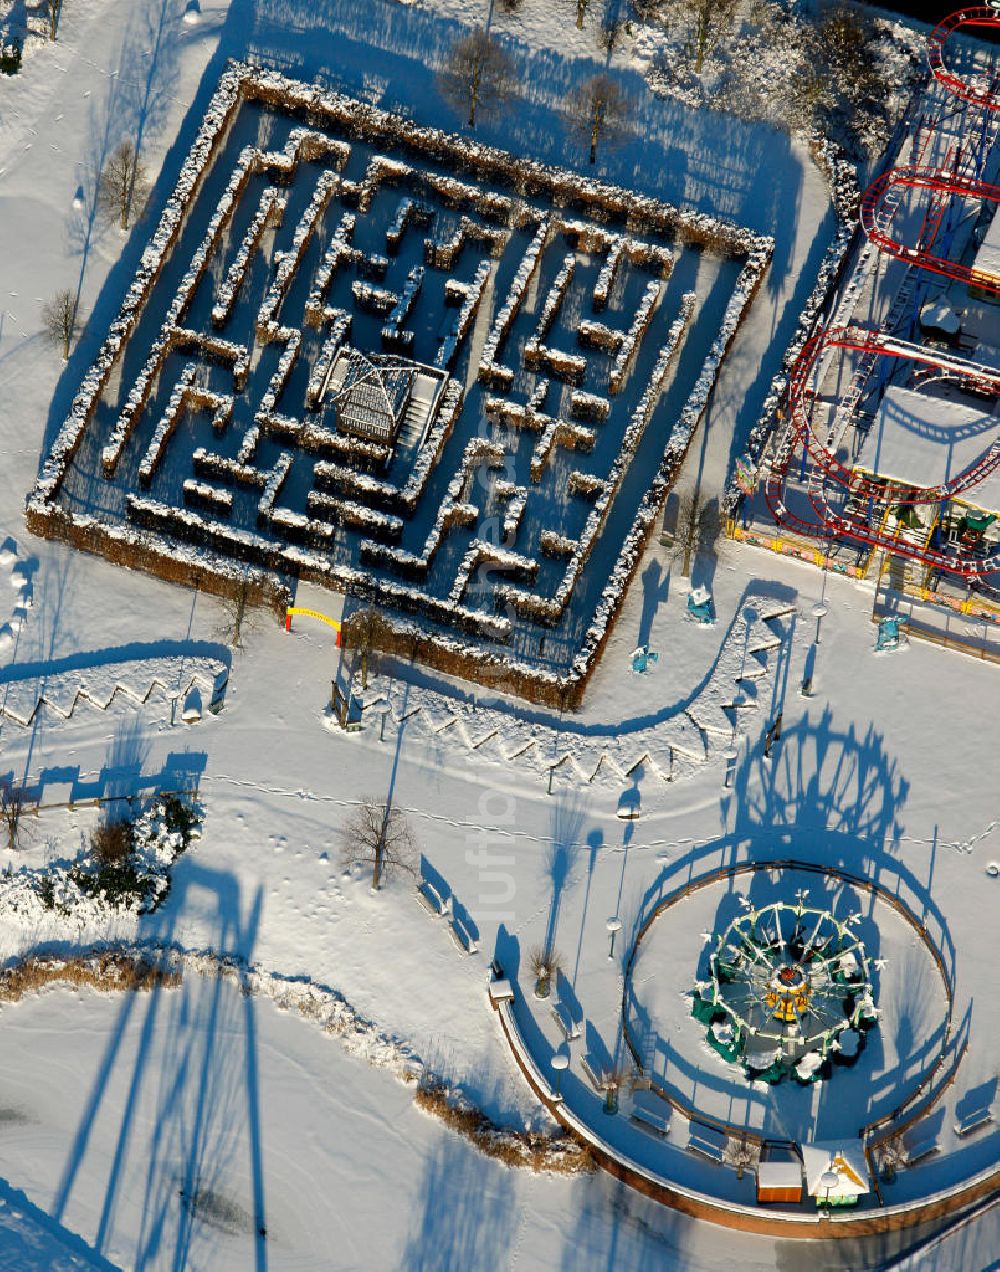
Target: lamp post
x=730 y=756
x=614 y=925
x=829 y=1179
x=559 y=1063
x=819 y=612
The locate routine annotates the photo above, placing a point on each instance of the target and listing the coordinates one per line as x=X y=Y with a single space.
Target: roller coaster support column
x=983 y=135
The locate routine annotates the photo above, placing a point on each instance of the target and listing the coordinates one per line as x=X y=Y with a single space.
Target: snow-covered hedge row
x=588 y=406
x=455 y=510
x=348 y=513
x=605 y=279
x=251 y=160
x=205 y=495
x=213 y=349
x=558 y=433
x=473 y=295
x=222 y=467
x=340 y=329
x=376 y=300
x=167 y=423
x=516 y=499
x=626 y=350
x=491 y=371
x=220 y=113
x=409 y=212
x=143 y=966
x=297 y=527
x=272 y=487
x=329 y=475
x=519 y=415
x=393 y=332
x=443 y=253
x=269 y=215
x=293 y=342
x=449 y=409
x=479 y=552
x=569 y=367
x=598 y=336
x=586 y=485
x=381 y=171
x=339 y=251
x=186 y=394
x=652 y=502
x=556 y=296
x=553 y=544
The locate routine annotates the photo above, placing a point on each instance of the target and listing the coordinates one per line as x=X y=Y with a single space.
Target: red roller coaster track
x=827 y=469
x=978 y=16
x=875 y=222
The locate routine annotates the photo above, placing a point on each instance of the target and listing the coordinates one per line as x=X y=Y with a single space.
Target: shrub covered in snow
x=126 y=866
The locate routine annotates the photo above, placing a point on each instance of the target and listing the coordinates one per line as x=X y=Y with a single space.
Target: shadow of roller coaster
x=801 y=439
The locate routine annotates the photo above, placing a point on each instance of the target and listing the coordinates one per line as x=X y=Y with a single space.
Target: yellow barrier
x=309 y=613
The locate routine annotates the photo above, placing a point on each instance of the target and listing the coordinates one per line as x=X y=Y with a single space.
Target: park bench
x=650 y=1112
x=563 y=1017
x=974 y=1120
x=594 y=1072
x=462 y=937
x=919 y=1142
x=431 y=899
x=707 y=1142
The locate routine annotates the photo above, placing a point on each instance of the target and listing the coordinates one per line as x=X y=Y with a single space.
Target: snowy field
x=157 y=1145
x=166 y=1130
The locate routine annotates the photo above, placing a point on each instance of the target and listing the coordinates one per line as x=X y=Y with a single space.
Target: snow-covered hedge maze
x=406 y=366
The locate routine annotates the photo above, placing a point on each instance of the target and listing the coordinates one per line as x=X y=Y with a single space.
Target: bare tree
x=612 y=1079
x=845 y=78
x=700 y=524
x=364 y=631
x=378 y=835
x=742 y=1154
x=648 y=10
x=545 y=964
x=52 y=7
x=614 y=24
x=478 y=75
x=597 y=109
x=13 y=805
x=703 y=23
x=124 y=185
x=60 y=320
x=239 y=617
x=891 y=1156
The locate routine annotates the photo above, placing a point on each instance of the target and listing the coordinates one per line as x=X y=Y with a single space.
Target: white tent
x=842 y=1159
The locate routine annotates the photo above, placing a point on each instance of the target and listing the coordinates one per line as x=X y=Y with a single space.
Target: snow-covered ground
x=114 y=1103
